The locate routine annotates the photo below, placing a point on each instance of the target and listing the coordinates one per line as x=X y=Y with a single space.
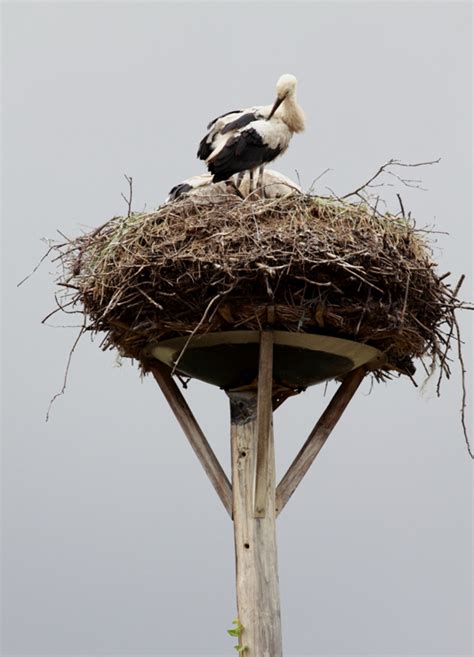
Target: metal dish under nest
x=230 y=359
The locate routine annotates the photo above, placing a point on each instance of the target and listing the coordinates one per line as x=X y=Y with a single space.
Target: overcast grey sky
x=113 y=539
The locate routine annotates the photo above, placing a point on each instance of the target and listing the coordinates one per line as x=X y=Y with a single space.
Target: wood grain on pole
x=258 y=598
x=194 y=434
x=318 y=437
x=264 y=422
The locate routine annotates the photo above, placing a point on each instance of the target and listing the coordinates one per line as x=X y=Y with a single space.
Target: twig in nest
x=61 y=307
x=463 y=384
x=386 y=166
x=458 y=286
x=310 y=190
x=441 y=278
x=128 y=200
x=401 y=205
x=204 y=315
x=53 y=247
x=408 y=182
x=66 y=373
x=443 y=357
x=405 y=300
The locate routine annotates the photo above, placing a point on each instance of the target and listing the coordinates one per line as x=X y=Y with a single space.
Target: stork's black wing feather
x=242 y=152
x=209 y=125
x=241 y=122
x=206 y=144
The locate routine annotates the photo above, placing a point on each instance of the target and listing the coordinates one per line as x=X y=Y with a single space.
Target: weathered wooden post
x=267 y=363
x=258 y=597
x=253 y=484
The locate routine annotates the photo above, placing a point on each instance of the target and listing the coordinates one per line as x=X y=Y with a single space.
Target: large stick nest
x=301 y=263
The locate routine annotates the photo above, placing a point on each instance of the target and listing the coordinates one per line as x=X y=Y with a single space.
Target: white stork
x=246 y=140
x=274 y=185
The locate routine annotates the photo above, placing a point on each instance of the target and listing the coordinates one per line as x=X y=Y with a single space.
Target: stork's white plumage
x=274 y=185
x=246 y=140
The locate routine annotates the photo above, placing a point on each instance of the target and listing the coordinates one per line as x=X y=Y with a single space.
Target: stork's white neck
x=291 y=113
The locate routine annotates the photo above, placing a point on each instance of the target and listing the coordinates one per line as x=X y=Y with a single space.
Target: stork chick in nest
x=274 y=185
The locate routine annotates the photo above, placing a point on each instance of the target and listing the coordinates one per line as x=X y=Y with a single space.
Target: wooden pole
x=318 y=437
x=193 y=432
x=258 y=597
x=253 y=488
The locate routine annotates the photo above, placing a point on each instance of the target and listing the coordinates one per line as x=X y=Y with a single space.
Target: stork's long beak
x=276 y=105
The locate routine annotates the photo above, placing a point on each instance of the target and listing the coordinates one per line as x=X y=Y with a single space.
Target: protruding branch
x=384 y=168
x=128 y=200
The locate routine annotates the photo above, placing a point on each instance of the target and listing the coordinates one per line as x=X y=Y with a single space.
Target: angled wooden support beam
x=264 y=423
x=318 y=437
x=193 y=432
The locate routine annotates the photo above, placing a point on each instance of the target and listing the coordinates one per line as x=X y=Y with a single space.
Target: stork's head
x=286 y=86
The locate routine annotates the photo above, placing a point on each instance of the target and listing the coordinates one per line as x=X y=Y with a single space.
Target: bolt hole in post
x=243 y=454
x=247 y=546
